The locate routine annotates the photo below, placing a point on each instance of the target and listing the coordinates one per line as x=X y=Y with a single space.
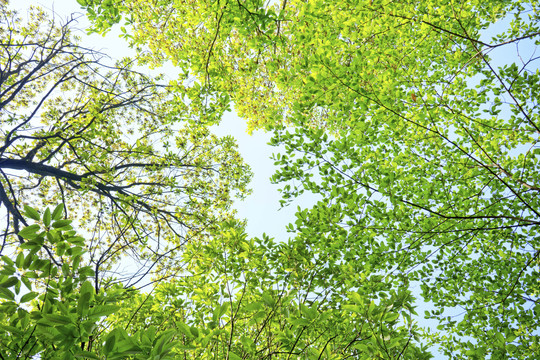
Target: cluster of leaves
x=227 y=308
x=240 y=300
x=122 y=152
x=55 y=311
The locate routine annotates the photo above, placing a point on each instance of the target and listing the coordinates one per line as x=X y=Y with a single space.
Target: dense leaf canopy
x=416 y=122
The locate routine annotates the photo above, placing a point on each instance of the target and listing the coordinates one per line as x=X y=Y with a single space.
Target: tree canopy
x=120 y=150
x=421 y=139
x=134 y=164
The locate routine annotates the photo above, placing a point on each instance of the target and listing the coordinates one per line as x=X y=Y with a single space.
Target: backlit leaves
x=416 y=129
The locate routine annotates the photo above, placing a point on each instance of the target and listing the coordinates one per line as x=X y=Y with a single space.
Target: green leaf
x=47 y=217
x=7 y=260
x=36 y=315
x=29 y=296
x=390 y=317
x=184 y=329
x=31 y=213
x=6 y=294
x=28 y=260
x=159 y=346
x=86 y=354
x=247 y=342
x=83 y=305
x=87 y=288
x=233 y=356
x=13 y=330
x=57 y=319
x=352 y=308
x=10 y=282
x=308 y=312
x=60 y=223
x=76 y=240
x=109 y=344
x=267 y=298
x=103 y=310
x=219 y=311
x=52 y=236
x=356 y=298
x=68 y=332
x=76 y=262
x=19 y=260
x=29 y=232
x=194 y=331
x=26 y=282
x=61 y=248
x=32 y=246
x=57 y=212
x=254 y=306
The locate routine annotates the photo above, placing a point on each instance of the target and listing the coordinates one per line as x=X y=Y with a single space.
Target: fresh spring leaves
x=63 y=314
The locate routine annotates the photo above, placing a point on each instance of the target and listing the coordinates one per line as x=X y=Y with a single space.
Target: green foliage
x=228 y=307
x=421 y=144
x=225 y=296
x=60 y=313
x=124 y=153
x=237 y=300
